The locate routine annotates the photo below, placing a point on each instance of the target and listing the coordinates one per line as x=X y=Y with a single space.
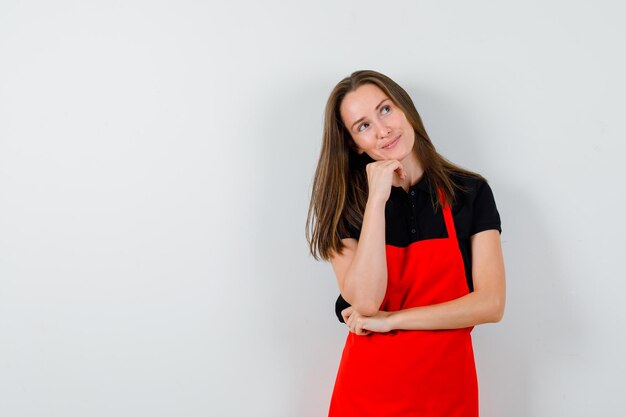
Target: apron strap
x=447 y=216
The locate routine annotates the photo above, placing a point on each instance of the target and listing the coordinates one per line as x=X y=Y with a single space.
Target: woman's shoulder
x=474 y=191
x=476 y=203
x=469 y=186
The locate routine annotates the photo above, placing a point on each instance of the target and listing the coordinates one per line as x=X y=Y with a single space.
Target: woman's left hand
x=364 y=325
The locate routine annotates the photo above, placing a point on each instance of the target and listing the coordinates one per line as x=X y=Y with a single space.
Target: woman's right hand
x=351 y=318
x=381 y=175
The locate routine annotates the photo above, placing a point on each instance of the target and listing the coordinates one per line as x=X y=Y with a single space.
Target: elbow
x=365 y=303
x=368 y=306
x=367 y=309
x=496 y=310
x=370 y=310
x=363 y=307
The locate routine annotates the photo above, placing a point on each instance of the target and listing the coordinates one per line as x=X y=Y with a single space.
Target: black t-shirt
x=409 y=217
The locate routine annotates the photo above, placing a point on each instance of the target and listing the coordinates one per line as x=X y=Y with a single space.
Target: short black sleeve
x=340 y=305
x=485 y=214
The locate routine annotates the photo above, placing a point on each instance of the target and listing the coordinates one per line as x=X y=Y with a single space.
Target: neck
x=413 y=169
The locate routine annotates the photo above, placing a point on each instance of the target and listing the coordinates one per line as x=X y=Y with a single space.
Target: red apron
x=410 y=373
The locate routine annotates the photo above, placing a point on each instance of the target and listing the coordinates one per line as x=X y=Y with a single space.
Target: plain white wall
x=156 y=160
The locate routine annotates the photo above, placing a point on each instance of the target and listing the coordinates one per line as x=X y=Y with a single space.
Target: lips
x=390 y=143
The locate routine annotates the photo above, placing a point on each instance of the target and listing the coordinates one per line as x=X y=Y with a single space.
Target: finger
x=401 y=173
x=394 y=165
x=398 y=167
x=346 y=313
x=359 y=326
x=353 y=322
x=363 y=328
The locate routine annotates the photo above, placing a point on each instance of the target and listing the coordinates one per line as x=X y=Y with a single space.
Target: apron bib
x=410 y=373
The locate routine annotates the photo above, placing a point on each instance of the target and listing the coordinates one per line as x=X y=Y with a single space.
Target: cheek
x=400 y=119
x=368 y=138
x=359 y=141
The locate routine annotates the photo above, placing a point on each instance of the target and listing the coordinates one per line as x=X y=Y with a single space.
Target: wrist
x=393 y=320
x=375 y=203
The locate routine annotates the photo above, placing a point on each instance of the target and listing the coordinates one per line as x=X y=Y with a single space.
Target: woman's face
x=377 y=126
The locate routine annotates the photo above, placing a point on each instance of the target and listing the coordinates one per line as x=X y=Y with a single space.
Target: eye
x=388 y=107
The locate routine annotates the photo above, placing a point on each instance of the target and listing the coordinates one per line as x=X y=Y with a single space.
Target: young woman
x=414 y=241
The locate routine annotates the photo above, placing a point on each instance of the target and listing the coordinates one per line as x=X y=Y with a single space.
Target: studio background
x=156 y=160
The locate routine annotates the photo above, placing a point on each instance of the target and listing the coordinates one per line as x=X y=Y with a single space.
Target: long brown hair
x=340 y=188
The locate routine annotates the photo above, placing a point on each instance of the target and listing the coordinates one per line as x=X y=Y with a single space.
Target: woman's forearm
x=471 y=309
x=366 y=279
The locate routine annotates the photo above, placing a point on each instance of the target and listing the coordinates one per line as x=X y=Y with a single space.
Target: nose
x=383 y=131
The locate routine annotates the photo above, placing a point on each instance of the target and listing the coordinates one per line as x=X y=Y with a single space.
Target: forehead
x=361 y=102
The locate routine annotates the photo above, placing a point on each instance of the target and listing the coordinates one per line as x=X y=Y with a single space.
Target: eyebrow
x=376 y=108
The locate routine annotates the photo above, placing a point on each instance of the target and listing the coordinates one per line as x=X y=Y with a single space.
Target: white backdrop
x=156 y=159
